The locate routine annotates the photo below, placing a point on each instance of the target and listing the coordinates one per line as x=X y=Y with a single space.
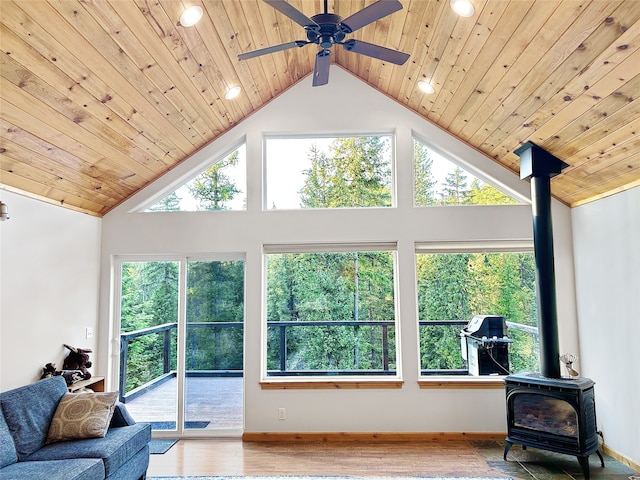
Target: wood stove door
x=545 y=414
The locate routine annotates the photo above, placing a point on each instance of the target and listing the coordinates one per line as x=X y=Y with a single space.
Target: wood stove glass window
x=543 y=413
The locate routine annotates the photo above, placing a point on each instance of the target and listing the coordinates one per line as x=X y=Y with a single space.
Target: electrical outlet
x=282 y=414
x=88 y=332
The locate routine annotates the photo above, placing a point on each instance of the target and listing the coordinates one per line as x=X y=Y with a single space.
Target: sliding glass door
x=181 y=343
x=214 y=344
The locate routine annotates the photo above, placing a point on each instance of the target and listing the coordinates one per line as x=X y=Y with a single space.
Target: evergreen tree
x=213 y=188
x=215 y=293
x=355 y=174
x=423 y=177
x=171 y=203
x=454 y=191
x=316 y=190
x=485 y=194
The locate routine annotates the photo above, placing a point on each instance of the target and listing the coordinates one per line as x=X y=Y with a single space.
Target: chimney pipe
x=540 y=166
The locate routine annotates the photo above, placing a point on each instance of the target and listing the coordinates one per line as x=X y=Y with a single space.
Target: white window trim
x=458 y=246
x=310 y=136
x=470 y=168
x=331 y=381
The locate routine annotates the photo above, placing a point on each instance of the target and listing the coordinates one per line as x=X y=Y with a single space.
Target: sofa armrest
x=121 y=416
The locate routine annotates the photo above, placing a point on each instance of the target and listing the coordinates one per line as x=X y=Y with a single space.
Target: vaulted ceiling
x=101 y=97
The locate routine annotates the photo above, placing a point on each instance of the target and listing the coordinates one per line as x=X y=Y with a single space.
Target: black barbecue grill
x=485 y=345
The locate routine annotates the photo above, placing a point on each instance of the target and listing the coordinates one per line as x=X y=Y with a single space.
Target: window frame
x=328 y=381
x=193 y=173
x=459 y=247
x=391 y=134
x=115 y=317
x=467 y=168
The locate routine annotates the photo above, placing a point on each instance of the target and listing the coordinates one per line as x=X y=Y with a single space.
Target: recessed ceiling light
x=464 y=8
x=191 y=16
x=426 y=87
x=232 y=92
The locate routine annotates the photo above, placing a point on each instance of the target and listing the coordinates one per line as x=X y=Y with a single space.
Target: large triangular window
x=439 y=181
x=222 y=186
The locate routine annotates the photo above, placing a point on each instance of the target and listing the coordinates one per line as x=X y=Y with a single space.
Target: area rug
x=307 y=477
x=172 y=425
x=161 y=445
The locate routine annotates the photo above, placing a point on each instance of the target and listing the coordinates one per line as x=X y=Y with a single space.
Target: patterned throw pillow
x=82 y=415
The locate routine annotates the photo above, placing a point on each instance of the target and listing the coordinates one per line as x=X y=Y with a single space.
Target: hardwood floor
x=448 y=458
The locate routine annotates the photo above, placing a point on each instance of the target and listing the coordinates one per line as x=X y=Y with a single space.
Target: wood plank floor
x=446 y=458
x=217 y=400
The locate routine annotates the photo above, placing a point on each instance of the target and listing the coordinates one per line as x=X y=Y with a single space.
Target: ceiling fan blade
x=376 y=51
x=290 y=11
x=370 y=14
x=321 y=69
x=275 y=48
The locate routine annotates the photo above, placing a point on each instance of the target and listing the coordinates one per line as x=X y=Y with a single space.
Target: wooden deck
x=217 y=400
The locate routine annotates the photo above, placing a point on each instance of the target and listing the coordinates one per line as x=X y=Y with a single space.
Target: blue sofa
x=123 y=454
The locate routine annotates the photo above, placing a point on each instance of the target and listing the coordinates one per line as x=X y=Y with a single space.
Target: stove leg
x=584 y=464
x=601 y=459
x=507 y=447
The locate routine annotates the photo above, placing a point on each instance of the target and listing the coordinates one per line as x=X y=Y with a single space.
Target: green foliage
x=215 y=293
x=485 y=194
x=331 y=286
x=171 y=203
x=149 y=298
x=355 y=175
x=454 y=191
x=213 y=188
x=425 y=184
x=458 y=286
x=327 y=287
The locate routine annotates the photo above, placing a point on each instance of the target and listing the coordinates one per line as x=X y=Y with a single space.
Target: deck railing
x=168 y=333
x=455 y=326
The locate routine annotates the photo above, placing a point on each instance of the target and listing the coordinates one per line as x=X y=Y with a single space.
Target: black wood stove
x=552 y=414
x=545 y=410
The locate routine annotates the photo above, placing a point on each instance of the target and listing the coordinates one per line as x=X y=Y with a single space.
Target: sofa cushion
x=116 y=448
x=82 y=415
x=28 y=411
x=134 y=468
x=121 y=416
x=8 y=454
x=78 y=469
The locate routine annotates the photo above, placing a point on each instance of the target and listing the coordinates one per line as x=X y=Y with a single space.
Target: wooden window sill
x=462 y=382
x=329 y=384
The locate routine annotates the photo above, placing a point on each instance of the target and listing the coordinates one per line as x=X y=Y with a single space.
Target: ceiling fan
x=328 y=29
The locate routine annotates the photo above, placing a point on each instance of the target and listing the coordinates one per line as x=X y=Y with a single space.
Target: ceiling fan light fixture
x=328 y=29
x=464 y=8
x=232 y=92
x=426 y=87
x=191 y=16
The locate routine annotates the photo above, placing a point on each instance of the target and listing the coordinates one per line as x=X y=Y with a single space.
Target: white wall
x=49 y=275
x=346 y=105
x=607 y=263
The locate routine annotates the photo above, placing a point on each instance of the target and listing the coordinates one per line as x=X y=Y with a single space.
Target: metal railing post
x=167 y=352
x=385 y=347
x=124 y=349
x=283 y=348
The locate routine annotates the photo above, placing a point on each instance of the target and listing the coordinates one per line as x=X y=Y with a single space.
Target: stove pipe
x=540 y=166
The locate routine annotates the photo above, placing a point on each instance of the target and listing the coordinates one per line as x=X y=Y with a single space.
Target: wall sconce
x=4 y=212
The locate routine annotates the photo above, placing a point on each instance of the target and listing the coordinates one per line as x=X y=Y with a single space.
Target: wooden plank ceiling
x=101 y=97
